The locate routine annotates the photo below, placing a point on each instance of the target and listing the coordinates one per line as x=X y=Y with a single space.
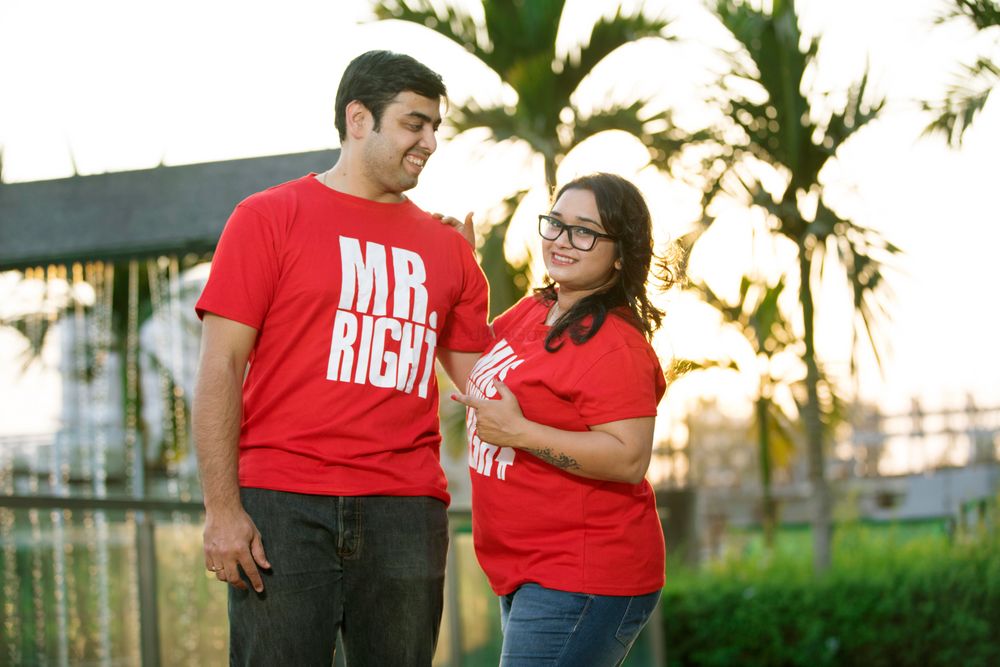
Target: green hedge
x=885 y=602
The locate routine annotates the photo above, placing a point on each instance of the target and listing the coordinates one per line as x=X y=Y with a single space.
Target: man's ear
x=359 y=119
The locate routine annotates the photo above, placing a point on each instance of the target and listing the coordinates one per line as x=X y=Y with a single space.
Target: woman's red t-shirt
x=534 y=522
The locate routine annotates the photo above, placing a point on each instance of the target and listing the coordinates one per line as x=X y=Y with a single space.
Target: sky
x=116 y=85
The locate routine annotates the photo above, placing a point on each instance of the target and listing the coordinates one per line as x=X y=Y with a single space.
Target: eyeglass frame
x=544 y=218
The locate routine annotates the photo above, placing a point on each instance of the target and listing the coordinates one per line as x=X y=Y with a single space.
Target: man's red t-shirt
x=350 y=299
x=534 y=522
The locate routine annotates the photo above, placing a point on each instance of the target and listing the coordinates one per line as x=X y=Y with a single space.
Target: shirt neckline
x=359 y=201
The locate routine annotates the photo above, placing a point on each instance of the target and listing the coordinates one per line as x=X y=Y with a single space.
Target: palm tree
x=968 y=93
x=517 y=41
x=757 y=316
x=781 y=132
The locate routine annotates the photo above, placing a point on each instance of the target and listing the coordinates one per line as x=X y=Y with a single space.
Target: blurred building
x=925 y=464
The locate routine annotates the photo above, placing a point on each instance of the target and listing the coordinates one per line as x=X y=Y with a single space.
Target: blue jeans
x=368 y=567
x=553 y=628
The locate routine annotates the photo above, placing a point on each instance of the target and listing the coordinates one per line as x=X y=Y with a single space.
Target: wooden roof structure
x=134 y=214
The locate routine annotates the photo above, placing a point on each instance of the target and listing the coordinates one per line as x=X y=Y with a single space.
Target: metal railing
x=143 y=512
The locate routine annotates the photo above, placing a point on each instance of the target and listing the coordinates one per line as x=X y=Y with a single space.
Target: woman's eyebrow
x=583 y=218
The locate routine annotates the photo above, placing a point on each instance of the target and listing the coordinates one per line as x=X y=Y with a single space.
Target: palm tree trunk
x=768 y=513
x=822 y=507
x=550 y=172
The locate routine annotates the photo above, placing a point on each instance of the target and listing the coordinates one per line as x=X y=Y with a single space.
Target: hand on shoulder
x=466 y=229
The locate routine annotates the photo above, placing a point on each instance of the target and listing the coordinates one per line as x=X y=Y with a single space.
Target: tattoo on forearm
x=559 y=460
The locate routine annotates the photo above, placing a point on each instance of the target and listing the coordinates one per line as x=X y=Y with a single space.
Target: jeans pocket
x=637 y=613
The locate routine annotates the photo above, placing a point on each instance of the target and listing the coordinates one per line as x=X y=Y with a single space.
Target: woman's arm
x=617 y=451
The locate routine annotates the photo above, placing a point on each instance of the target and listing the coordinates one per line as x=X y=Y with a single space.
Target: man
x=323 y=489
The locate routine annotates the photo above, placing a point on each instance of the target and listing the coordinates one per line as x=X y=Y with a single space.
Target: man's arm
x=458 y=365
x=231 y=538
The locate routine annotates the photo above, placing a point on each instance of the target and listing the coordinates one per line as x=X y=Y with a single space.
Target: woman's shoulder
x=619 y=356
x=523 y=308
x=621 y=329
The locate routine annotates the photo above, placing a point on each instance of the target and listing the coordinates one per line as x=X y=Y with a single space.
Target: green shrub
x=887 y=600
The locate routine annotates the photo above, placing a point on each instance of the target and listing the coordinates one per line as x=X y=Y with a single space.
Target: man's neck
x=343 y=177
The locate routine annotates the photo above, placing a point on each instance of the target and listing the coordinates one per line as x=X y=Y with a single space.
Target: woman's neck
x=565 y=300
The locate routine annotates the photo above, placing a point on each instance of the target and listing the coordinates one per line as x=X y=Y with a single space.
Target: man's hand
x=232 y=541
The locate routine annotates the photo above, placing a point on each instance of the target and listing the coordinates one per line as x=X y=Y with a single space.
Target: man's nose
x=429 y=139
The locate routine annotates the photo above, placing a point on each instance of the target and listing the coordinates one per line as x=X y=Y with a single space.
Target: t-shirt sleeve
x=512 y=316
x=244 y=274
x=625 y=383
x=466 y=329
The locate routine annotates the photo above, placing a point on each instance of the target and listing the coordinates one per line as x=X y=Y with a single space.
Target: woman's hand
x=498 y=420
x=466 y=229
x=617 y=451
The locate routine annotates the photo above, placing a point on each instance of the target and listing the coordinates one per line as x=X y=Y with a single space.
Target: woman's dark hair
x=625 y=216
x=375 y=78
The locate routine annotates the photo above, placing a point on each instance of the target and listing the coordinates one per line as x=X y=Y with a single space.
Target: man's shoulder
x=426 y=225
x=277 y=194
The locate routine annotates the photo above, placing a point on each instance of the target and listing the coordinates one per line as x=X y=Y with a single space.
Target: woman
x=560 y=419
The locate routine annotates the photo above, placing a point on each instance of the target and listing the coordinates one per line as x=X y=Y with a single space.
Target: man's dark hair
x=376 y=77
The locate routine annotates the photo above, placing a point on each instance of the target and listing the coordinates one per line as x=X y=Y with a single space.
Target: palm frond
x=768 y=323
x=618 y=117
x=983 y=13
x=731 y=314
x=772 y=43
x=758 y=124
x=532 y=77
x=499 y=121
x=963 y=100
x=662 y=138
x=446 y=20
x=520 y=30
x=783 y=212
x=678 y=368
x=866 y=257
x=857 y=112
x=665 y=141
x=34 y=328
x=607 y=35
x=756 y=314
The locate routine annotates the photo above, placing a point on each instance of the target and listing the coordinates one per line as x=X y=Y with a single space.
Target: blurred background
x=826 y=457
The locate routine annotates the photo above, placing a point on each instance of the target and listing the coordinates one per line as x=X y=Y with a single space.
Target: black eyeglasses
x=581 y=238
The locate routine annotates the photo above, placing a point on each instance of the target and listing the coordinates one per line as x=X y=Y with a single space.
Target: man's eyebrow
x=424 y=117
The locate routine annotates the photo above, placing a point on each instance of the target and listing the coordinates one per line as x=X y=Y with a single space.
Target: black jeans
x=370 y=567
